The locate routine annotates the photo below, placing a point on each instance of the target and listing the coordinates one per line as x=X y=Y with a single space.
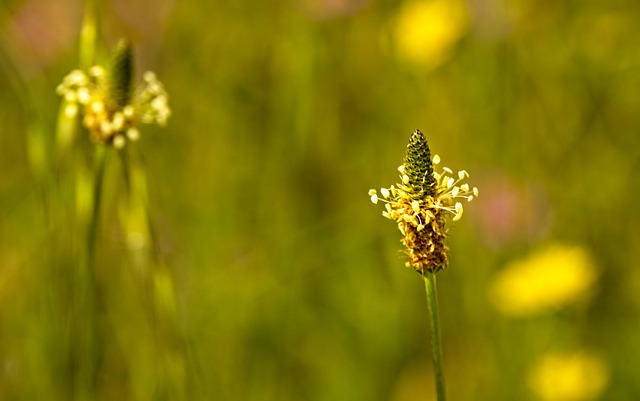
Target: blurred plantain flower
x=110 y=110
x=579 y=376
x=426 y=31
x=549 y=279
x=420 y=203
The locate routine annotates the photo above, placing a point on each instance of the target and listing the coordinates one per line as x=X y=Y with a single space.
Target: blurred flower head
x=110 y=111
x=549 y=279
x=38 y=32
x=426 y=31
x=511 y=212
x=420 y=203
x=490 y=19
x=568 y=377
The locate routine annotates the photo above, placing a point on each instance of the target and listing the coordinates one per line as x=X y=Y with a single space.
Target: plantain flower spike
x=421 y=202
x=111 y=109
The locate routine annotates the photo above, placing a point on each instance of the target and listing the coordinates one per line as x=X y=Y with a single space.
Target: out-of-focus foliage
x=288 y=285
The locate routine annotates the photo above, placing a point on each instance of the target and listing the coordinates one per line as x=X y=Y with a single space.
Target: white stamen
x=97 y=107
x=450 y=182
x=458 y=212
x=133 y=134
x=415 y=205
x=71 y=110
x=84 y=95
x=119 y=141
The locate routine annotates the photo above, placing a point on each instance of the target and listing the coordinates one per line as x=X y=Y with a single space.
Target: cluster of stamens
x=419 y=207
x=105 y=120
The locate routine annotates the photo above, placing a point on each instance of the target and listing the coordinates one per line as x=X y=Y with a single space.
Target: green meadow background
x=273 y=277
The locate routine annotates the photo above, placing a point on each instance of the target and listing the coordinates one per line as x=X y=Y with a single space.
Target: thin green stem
x=88 y=36
x=100 y=163
x=436 y=342
x=90 y=352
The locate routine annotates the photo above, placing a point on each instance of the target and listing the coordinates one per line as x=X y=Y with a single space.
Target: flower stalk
x=436 y=340
x=85 y=387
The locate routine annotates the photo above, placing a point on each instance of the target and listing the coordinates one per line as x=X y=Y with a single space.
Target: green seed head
x=418 y=167
x=119 y=75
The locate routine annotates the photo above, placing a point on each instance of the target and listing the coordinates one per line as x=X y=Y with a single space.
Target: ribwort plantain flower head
x=110 y=108
x=421 y=202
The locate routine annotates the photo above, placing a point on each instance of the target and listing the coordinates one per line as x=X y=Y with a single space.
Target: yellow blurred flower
x=568 y=377
x=110 y=110
x=426 y=31
x=551 y=278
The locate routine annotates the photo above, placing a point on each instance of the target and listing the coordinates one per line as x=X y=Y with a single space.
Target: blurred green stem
x=436 y=342
x=100 y=163
x=88 y=36
x=89 y=365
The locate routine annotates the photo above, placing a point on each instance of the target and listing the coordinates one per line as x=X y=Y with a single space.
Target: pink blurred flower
x=40 y=31
x=510 y=212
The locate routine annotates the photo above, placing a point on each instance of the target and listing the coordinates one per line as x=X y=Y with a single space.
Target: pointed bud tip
x=419 y=166
x=120 y=74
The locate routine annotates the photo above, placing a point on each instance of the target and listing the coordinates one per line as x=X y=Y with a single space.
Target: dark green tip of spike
x=419 y=167
x=120 y=74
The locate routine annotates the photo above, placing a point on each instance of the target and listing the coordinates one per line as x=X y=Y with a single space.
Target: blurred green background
x=279 y=278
